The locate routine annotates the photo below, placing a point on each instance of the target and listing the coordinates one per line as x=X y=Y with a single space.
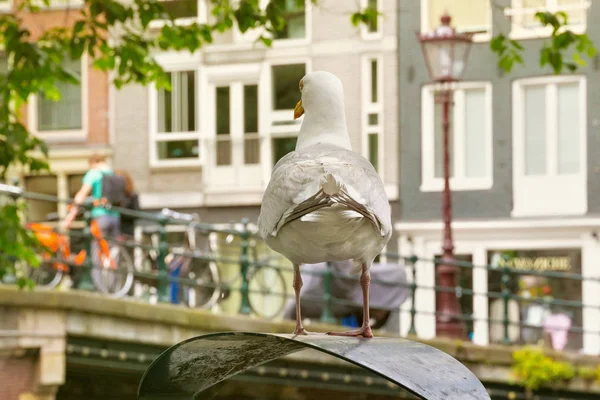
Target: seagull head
x=320 y=90
x=322 y=105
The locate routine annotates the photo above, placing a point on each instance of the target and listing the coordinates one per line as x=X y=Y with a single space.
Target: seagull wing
x=317 y=176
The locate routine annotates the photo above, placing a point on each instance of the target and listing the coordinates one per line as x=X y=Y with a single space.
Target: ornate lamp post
x=446 y=53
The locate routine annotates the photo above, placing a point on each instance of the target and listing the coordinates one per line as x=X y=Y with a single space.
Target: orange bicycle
x=112 y=269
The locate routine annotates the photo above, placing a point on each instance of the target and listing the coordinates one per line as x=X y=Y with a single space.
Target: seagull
x=324 y=202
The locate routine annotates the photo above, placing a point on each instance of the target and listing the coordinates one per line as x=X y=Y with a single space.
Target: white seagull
x=324 y=202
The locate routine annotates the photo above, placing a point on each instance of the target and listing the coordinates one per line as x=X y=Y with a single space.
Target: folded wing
x=302 y=183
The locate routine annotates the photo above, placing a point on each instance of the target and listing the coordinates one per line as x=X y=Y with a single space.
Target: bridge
x=74 y=344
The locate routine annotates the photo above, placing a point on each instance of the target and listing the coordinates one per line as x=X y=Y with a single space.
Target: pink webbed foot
x=364 y=332
x=300 y=331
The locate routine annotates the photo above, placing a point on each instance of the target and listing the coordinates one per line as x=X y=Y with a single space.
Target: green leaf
x=506 y=63
x=571 y=66
x=516 y=44
x=578 y=60
x=79 y=25
x=266 y=41
x=77 y=47
x=544 y=56
x=497 y=43
x=356 y=18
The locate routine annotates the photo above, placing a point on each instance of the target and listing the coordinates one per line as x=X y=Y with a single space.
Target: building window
x=184 y=12
x=473 y=16
x=282 y=146
x=373 y=110
x=294 y=14
x=67 y=113
x=470 y=137
x=74 y=182
x=251 y=136
x=530 y=313
x=176 y=129
x=223 y=119
x=39 y=210
x=526 y=25
x=181 y=8
x=285 y=82
x=549 y=145
x=284 y=94
x=5 y=5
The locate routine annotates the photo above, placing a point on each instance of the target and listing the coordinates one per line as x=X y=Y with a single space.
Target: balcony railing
x=227 y=268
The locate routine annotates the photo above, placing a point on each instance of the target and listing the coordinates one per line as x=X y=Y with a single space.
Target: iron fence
x=227 y=268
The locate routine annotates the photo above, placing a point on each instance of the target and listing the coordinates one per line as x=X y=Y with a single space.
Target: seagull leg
x=297 y=286
x=365 y=329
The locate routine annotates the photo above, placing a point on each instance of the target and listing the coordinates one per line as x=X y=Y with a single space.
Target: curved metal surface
x=188 y=370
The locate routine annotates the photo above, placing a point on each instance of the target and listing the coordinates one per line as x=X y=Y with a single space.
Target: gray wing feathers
x=298 y=177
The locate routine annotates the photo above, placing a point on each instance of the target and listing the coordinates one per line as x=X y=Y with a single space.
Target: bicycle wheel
x=206 y=291
x=46 y=275
x=114 y=275
x=267 y=291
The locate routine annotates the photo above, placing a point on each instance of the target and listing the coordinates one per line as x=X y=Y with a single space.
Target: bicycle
x=112 y=274
x=205 y=292
x=267 y=286
x=206 y=267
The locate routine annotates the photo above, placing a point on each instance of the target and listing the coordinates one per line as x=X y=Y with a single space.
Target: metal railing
x=227 y=268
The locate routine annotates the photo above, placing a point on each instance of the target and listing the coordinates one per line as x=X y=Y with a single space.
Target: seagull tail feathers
x=331 y=185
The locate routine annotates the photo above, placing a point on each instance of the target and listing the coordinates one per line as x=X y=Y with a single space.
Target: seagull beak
x=298 y=110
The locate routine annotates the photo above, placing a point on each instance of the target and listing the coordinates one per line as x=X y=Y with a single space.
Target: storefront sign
x=537 y=263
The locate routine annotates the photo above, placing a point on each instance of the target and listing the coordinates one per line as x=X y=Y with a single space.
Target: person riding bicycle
x=101 y=183
x=105 y=187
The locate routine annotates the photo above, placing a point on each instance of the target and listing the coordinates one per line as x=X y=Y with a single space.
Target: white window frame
x=372 y=108
x=201 y=18
x=518 y=31
x=364 y=30
x=527 y=205
x=478 y=37
x=59 y=4
x=61 y=136
x=176 y=62
x=233 y=76
x=458 y=182
x=278 y=43
x=6 y=7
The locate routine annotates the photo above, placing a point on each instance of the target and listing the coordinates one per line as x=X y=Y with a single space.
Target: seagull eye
x=301 y=85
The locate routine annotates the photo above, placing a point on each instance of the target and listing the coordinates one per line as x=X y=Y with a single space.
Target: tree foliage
x=553 y=51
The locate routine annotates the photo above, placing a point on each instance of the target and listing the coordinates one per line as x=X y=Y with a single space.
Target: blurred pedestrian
x=131 y=202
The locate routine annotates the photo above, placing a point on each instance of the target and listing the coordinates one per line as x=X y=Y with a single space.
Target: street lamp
x=446 y=53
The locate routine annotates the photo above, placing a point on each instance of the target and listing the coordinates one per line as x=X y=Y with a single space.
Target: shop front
x=551 y=270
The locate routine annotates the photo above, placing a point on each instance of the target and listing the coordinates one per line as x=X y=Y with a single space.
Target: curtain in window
x=176 y=109
x=568 y=129
x=535 y=130
x=475 y=135
x=64 y=114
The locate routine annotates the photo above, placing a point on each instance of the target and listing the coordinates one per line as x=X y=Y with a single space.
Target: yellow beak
x=298 y=110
